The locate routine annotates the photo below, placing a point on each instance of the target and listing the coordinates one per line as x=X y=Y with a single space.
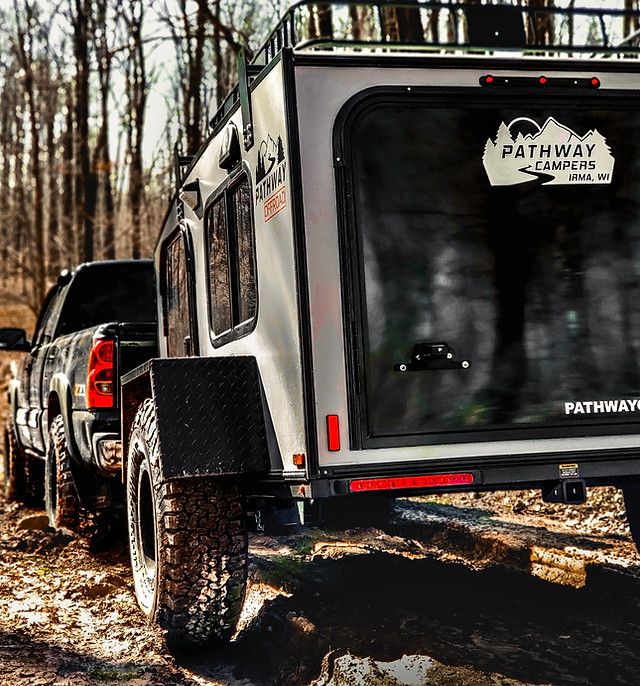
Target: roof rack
x=450 y=27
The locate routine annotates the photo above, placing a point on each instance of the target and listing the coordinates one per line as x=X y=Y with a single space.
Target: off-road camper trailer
x=407 y=259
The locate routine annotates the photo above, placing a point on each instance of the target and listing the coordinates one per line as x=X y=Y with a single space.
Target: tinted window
x=232 y=270
x=219 y=276
x=241 y=204
x=536 y=283
x=48 y=319
x=177 y=299
x=103 y=293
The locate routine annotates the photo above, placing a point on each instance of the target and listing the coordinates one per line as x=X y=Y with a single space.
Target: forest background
x=97 y=93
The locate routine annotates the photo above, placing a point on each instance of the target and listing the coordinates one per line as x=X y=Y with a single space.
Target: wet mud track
x=335 y=608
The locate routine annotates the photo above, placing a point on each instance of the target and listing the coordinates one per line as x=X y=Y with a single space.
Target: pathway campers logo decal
x=271 y=191
x=553 y=153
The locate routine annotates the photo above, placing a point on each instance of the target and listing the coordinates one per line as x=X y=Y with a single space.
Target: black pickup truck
x=62 y=440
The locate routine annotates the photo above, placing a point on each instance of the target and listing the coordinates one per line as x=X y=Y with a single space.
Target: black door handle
x=427 y=356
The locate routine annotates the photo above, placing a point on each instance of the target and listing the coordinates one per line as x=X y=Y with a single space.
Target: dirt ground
x=465 y=590
x=446 y=595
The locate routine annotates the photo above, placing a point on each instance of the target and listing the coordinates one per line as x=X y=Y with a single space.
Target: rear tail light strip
x=408 y=482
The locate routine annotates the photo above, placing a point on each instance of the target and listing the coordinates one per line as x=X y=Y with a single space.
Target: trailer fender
x=210 y=414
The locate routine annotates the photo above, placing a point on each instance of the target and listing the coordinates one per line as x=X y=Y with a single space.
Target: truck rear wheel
x=188 y=544
x=22 y=475
x=60 y=495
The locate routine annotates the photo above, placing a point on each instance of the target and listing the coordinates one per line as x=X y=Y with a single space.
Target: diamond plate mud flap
x=210 y=412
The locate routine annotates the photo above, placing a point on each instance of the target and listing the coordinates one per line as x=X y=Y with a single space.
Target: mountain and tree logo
x=271 y=177
x=552 y=153
x=270 y=154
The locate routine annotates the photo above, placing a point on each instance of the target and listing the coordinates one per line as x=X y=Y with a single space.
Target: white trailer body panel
x=275 y=340
x=322 y=91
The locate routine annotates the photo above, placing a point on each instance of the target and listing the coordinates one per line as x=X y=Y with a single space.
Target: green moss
x=111 y=674
x=281 y=571
x=304 y=546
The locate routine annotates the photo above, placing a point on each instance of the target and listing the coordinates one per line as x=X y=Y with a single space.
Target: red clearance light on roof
x=403 y=482
x=100 y=374
x=333 y=432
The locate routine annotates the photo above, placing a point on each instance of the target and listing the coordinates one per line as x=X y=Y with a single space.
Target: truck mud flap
x=210 y=414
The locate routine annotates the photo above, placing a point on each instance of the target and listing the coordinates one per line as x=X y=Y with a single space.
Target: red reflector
x=333 y=432
x=401 y=482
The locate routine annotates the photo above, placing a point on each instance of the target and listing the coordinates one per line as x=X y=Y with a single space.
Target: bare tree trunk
x=320 y=22
x=25 y=51
x=5 y=178
x=53 y=265
x=137 y=88
x=86 y=186
x=403 y=24
x=356 y=22
x=543 y=24
x=217 y=62
x=631 y=23
x=19 y=200
x=102 y=161
x=194 y=132
x=68 y=234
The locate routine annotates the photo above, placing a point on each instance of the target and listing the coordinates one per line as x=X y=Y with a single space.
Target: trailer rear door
x=507 y=229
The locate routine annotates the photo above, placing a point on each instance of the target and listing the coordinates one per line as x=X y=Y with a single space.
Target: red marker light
x=595 y=82
x=333 y=432
x=489 y=79
x=543 y=80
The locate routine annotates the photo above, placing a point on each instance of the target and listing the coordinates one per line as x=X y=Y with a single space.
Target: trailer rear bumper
x=613 y=467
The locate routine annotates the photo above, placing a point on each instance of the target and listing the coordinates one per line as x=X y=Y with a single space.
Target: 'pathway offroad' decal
x=271 y=170
x=554 y=154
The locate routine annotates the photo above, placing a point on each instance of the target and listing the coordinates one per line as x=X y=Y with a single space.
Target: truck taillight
x=100 y=374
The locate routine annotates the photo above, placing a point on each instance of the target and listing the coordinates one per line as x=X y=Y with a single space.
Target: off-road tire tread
x=67 y=510
x=202 y=548
x=23 y=475
x=12 y=476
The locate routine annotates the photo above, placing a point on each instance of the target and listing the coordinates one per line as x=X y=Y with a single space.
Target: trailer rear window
x=232 y=268
x=507 y=231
